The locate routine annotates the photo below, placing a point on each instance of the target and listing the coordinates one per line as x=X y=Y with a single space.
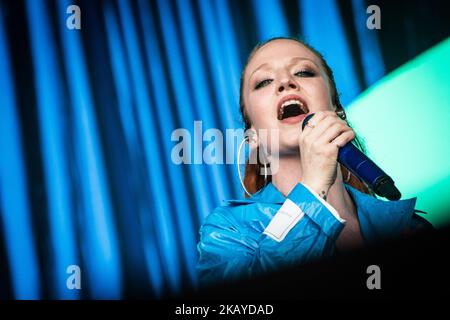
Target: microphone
x=365 y=169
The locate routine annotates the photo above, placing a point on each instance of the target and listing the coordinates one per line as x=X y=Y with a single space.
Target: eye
x=263 y=83
x=305 y=73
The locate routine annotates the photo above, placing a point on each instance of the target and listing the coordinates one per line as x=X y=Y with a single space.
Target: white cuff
x=326 y=204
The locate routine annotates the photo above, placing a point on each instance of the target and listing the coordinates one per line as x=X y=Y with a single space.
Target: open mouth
x=292 y=108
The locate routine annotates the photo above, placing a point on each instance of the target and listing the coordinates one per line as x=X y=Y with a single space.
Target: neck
x=289 y=174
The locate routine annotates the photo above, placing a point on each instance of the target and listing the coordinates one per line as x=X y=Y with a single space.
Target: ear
x=253 y=137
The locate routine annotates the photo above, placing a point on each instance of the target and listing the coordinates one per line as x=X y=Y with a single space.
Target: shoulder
x=242 y=221
x=221 y=216
x=231 y=214
x=419 y=223
x=380 y=219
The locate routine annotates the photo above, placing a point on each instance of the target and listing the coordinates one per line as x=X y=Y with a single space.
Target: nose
x=289 y=83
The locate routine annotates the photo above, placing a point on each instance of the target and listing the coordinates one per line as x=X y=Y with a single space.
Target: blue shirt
x=233 y=242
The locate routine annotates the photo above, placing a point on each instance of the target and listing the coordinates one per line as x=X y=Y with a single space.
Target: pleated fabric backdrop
x=87 y=117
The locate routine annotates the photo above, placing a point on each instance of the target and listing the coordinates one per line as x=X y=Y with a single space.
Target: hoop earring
x=239 y=168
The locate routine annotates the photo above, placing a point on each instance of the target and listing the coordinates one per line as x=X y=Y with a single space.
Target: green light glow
x=405 y=121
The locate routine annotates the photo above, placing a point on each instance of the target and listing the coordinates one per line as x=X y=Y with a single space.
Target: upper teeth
x=288 y=102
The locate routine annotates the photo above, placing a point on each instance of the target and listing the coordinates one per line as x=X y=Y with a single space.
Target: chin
x=289 y=147
x=289 y=138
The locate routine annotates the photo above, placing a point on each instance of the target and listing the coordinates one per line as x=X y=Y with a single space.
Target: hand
x=319 y=143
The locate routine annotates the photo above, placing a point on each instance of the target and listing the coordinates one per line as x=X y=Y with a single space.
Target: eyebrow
x=294 y=59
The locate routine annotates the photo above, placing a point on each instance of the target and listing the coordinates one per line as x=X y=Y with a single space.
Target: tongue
x=291 y=110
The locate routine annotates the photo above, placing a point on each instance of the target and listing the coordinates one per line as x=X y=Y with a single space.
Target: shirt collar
x=365 y=203
x=378 y=218
x=381 y=219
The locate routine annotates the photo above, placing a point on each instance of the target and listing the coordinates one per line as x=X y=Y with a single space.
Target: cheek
x=261 y=111
x=319 y=93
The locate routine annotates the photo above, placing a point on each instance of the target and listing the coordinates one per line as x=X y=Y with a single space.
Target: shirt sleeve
x=317 y=209
x=225 y=251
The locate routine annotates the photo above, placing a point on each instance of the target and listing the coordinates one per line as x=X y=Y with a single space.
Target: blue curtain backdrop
x=87 y=116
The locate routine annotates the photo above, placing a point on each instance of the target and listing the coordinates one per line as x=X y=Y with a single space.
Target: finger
x=313 y=121
x=316 y=118
x=322 y=125
x=333 y=131
x=344 y=138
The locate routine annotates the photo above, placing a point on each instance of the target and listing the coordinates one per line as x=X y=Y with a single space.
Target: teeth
x=286 y=103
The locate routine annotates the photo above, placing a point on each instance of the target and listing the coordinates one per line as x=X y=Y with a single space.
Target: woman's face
x=283 y=82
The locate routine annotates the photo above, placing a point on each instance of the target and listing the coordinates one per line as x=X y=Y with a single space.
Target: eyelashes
x=263 y=83
x=305 y=73
x=302 y=74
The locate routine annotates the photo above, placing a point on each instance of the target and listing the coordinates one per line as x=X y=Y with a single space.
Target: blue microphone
x=365 y=169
